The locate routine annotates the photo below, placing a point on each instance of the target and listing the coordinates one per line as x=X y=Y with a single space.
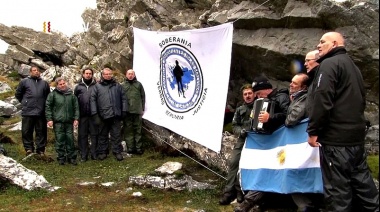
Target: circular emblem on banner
x=181 y=78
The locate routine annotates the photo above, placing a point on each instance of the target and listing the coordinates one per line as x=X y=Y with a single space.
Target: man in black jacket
x=108 y=106
x=279 y=101
x=86 y=125
x=311 y=65
x=337 y=126
x=32 y=93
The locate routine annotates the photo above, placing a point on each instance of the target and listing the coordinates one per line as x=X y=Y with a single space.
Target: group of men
x=105 y=112
x=332 y=95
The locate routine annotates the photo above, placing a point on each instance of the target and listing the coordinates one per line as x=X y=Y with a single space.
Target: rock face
x=7 y=109
x=21 y=176
x=269 y=36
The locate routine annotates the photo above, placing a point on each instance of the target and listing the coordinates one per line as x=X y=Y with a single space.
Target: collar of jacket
x=34 y=78
x=92 y=82
x=131 y=81
x=276 y=91
x=297 y=94
x=249 y=105
x=333 y=52
x=107 y=82
x=64 y=92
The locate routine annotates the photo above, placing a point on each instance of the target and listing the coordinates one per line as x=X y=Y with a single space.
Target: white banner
x=185 y=75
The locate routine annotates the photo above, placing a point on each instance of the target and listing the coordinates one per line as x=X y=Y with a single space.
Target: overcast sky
x=64 y=15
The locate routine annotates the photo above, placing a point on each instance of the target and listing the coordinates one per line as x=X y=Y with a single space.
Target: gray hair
x=58 y=79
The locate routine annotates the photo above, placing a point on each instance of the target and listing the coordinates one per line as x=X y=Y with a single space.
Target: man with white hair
x=135 y=93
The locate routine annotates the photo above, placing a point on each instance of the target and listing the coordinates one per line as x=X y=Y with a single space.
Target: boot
x=245 y=206
x=239 y=196
x=227 y=198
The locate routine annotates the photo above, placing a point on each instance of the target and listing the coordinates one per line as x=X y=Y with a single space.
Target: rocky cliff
x=269 y=36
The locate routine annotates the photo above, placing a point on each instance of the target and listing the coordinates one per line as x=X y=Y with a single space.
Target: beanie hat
x=261 y=83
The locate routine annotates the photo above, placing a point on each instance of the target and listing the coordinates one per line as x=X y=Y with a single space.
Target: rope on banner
x=187 y=156
x=252 y=10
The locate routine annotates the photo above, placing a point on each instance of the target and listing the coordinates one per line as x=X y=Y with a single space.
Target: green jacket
x=62 y=107
x=242 y=119
x=136 y=96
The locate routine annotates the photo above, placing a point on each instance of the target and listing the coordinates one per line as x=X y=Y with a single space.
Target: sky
x=64 y=15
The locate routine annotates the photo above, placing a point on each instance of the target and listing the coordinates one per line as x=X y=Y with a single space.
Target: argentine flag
x=282 y=162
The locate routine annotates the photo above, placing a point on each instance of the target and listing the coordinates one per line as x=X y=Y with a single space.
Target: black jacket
x=108 y=100
x=83 y=93
x=336 y=107
x=297 y=109
x=279 y=103
x=32 y=94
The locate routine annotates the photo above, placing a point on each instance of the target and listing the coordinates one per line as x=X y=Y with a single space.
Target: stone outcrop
x=19 y=175
x=168 y=180
x=269 y=36
x=7 y=109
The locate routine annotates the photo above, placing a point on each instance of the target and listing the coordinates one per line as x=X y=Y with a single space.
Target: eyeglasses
x=308 y=60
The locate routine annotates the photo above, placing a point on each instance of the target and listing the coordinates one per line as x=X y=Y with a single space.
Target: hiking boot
x=239 y=197
x=83 y=159
x=93 y=157
x=102 y=156
x=61 y=162
x=139 y=152
x=119 y=157
x=131 y=151
x=28 y=152
x=245 y=206
x=227 y=198
x=73 y=161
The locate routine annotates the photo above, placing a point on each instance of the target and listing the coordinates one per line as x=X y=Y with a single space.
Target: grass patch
x=373 y=163
x=73 y=197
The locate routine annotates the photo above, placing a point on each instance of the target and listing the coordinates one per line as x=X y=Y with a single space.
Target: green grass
x=373 y=163
x=72 y=197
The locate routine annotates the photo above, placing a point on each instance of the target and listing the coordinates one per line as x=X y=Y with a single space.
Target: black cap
x=261 y=83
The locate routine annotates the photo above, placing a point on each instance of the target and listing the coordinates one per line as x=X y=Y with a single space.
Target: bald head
x=329 y=41
x=334 y=36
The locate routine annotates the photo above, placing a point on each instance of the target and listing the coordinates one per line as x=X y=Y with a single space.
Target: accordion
x=261 y=104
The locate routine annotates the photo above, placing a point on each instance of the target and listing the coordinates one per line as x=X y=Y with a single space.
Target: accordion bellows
x=260 y=104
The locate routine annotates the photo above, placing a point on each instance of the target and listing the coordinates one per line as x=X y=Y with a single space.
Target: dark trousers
x=307 y=201
x=29 y=125
x=233 y=184
x=109 y=132
x=86 y=128
x=346 y=176
x=132 y=131
x=64 y=141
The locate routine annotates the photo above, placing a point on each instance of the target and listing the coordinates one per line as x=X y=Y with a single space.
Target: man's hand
x=75 y=123
x=312 y=140
x=243 y=133
x=50 y=124
x=263 y=117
